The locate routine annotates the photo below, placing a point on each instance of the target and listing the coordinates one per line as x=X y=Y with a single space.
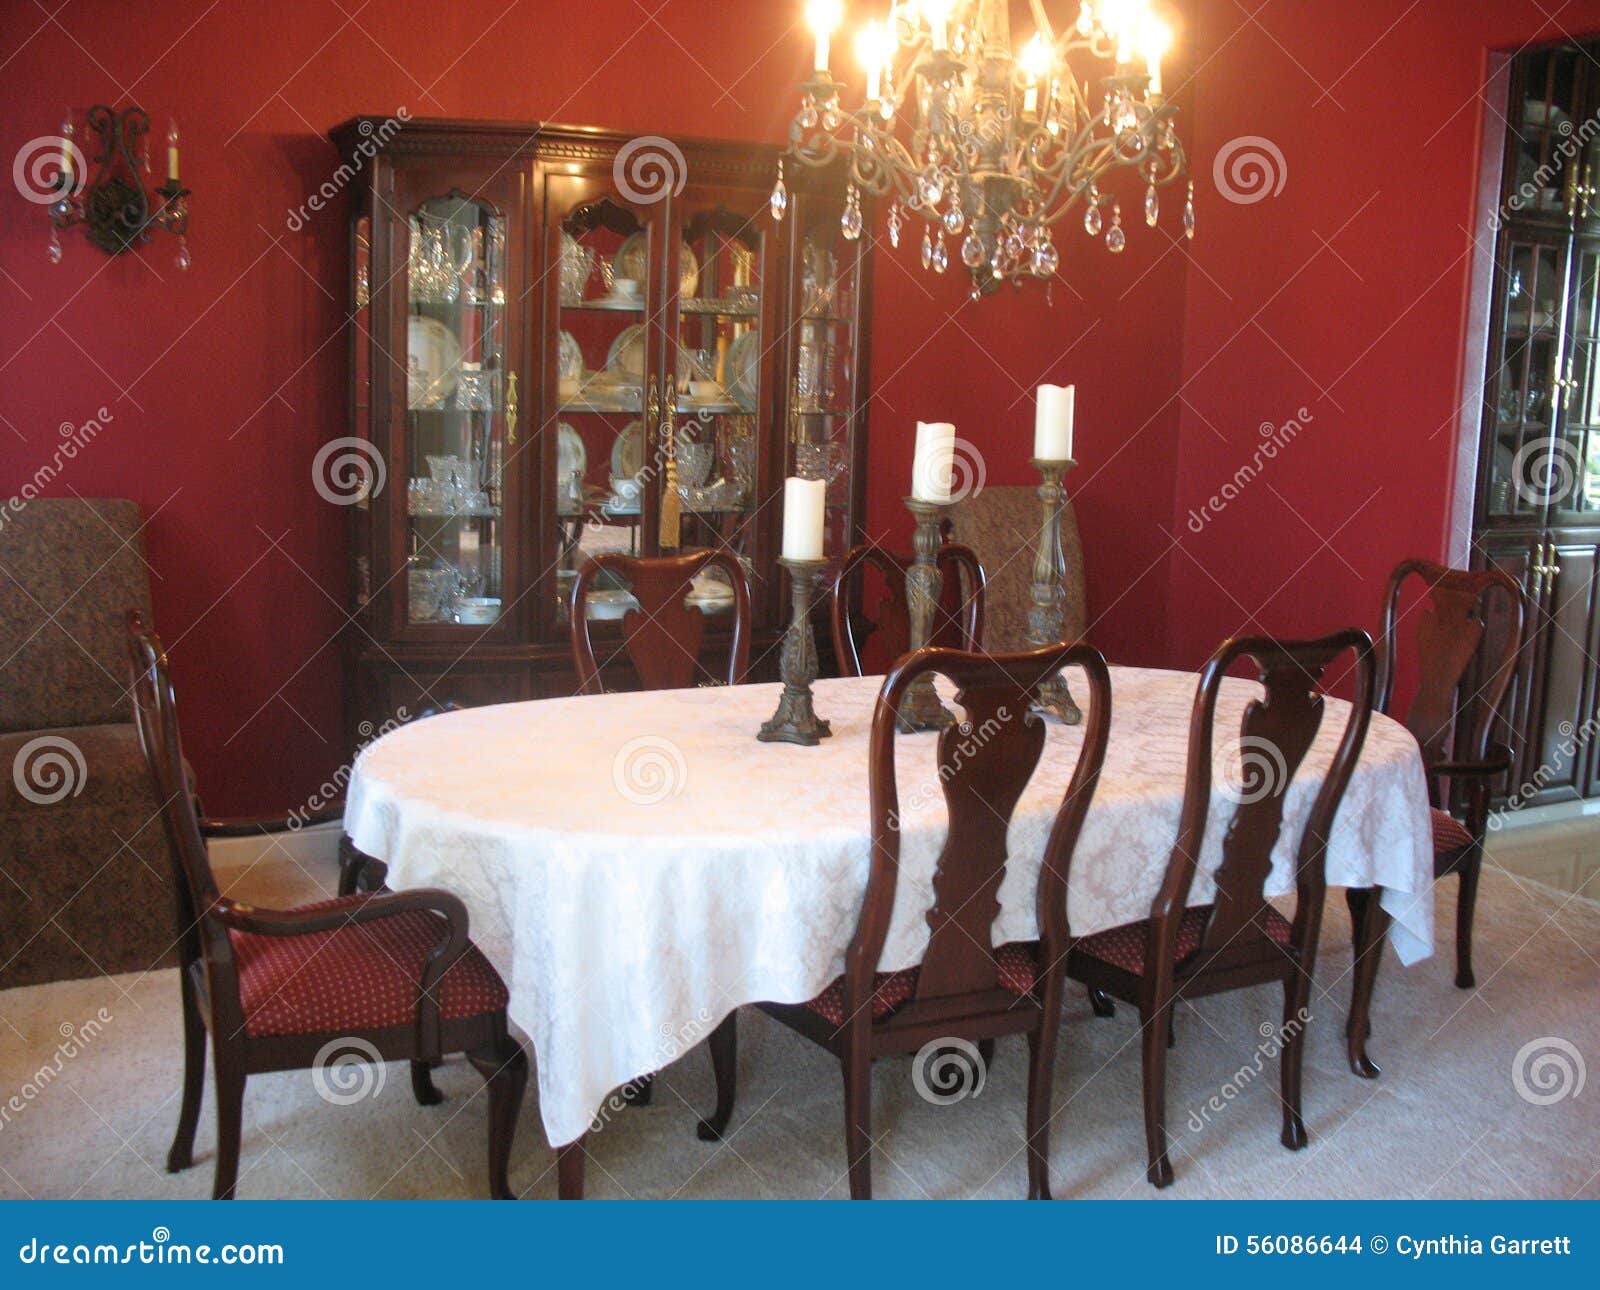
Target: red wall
x=224 y=380
x=1344 y=294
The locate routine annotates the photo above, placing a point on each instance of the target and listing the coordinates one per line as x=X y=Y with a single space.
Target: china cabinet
x=1538 y=488
x=556 y=351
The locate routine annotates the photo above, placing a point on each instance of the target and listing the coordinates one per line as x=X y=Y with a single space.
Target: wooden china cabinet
x=556 y=331
x=1538 y=489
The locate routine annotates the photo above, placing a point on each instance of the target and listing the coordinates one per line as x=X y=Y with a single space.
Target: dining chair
x=661 y=638
x=1238 y=939
x=958 y=619
x=966 y=988
x=1465 y=649
x=392 y=976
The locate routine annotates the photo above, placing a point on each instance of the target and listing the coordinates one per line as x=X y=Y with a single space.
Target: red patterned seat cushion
x=1123 y=946
x=361 y=976
x=891 y=989
x=1449 y=833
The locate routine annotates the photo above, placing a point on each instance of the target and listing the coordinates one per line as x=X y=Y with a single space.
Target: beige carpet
x=1445 y=1120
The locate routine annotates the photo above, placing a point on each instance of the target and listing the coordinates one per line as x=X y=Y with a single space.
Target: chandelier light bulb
x=937 y=13
x=1155 y=38
x=824 y=16
x=874 y=49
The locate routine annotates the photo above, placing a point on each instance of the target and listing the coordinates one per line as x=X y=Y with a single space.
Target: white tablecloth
x=638 y=865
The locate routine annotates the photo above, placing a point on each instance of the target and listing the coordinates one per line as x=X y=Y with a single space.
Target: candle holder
x=1047 y=615
x=795 y=721
x=921 y=708
x=115 y=208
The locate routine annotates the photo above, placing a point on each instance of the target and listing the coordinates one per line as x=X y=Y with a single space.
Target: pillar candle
x=1052 y=422
x=803 y=503
x=932 y=462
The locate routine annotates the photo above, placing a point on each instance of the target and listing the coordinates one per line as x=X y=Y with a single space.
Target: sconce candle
x=1052 y=422
x=803 y=504
x=933 y=461
x=172 y=150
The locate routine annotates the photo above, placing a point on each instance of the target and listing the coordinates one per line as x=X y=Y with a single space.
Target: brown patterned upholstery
x=1015 y=961
x=1449 y=833
x=1124 y=946
x=1001 y=523
x=85 y=877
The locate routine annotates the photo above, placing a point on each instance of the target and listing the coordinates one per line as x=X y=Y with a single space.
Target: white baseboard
x=313 y=848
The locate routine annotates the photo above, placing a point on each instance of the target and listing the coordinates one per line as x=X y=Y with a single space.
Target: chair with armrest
x=1467 y=636
x=966 y=987
x=391 y=975
x=1238 y=939
x=958 y=619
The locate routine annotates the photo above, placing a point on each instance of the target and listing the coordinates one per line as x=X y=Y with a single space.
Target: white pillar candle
x=1052 y=422
x=803 y=504
x=933 y=462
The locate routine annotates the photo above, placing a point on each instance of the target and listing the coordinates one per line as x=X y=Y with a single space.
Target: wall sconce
x=115 y=208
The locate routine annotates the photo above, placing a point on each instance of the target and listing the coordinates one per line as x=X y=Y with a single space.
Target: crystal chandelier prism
x=993 y=147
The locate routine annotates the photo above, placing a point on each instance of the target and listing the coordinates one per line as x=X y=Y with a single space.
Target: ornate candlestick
x=1047 y=617
x=921 y=708
x=795 y=721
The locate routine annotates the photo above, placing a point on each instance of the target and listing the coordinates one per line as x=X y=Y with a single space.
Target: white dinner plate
x=433 y=362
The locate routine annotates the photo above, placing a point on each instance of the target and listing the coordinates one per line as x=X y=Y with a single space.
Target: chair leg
x=569 y=1170
x=181 y=1156
x=1102 y=1003
x=1155 y=1032
x=504 y=1068
x=1296 y=1005
x=986 y=1053
x=230 y=1119
x=1041 y=1073
x=422 y=1085
x=724 y=1049
x=1374 y=924
x=350 y=862
x=638 y=1092
x=1466 y=903
x=858 y=1125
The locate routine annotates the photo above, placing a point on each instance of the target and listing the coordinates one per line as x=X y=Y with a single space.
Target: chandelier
x=988 y=146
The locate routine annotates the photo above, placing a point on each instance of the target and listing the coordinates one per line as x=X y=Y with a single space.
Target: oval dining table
x=638 y=865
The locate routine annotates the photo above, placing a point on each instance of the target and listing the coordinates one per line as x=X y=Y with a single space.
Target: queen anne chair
x=392 y=975
x=1238 y=939
x=966 y=987
x=1467 y=635
x=958 y=620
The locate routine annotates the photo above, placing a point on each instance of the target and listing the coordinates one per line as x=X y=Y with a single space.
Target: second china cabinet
x=566 y=341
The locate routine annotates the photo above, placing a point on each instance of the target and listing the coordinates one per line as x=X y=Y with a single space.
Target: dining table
x=638 y=866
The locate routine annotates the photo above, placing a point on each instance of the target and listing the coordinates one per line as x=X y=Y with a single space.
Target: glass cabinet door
x=1525 y=394
x=602 y=365
x=824 y=403
x=1543 y=169
x=1574 y=482
x=460 y=397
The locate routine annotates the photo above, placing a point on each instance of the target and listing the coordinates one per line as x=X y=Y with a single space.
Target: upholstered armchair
x=85 y=882
x=1001 y=523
